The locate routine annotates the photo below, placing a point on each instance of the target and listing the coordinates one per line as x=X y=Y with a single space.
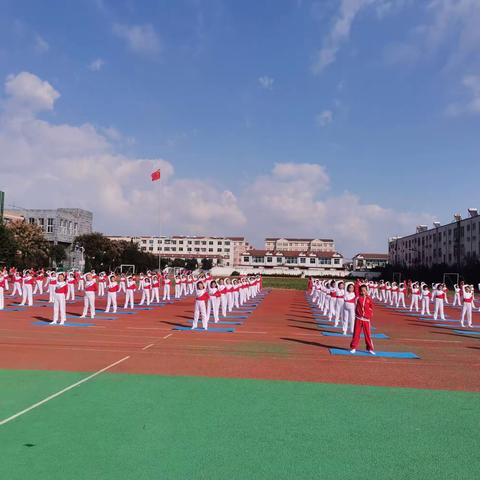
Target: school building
x=454 y=244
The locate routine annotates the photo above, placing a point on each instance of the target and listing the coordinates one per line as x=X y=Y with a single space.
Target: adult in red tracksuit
x=363 y=316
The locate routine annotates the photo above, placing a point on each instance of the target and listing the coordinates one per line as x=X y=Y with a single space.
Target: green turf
x=293 y=283
x=121 y=426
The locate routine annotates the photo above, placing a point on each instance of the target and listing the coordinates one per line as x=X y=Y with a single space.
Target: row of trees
x=23 y=244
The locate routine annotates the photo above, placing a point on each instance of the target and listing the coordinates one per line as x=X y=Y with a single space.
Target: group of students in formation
x=422 y=296
x=350 y=305
x=211 y=295
x=62 y=286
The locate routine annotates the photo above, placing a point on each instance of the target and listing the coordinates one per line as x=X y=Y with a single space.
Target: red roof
x=263 y=253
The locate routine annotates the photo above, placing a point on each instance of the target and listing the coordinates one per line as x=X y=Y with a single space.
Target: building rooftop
x=270 y=239
x=372 y=256
x=262 y=253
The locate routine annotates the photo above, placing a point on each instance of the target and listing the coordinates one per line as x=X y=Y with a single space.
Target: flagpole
x=159 y=227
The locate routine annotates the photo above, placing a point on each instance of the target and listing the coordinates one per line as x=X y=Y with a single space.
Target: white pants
x=425 y=306
x=155 y=294
x=339 y=310
x=145 y=297
x=129 y=298
x=81 y=285
x=27 y=295
x=224 y=303
x=331 y=308
x=394 y=300
x=2 y=304
x=59 y=308
x=71 y=292
x=236 y=296
x=177 y=291
x=123 y=288
x=456 y=299
x=17 y=289
x=38 y=287
x=111 y=301
x=414 y=303
x=213 y=307
x=348 y=317
x=401 y=300
x=89 y=303
x=200 y=310
x=166 y=292
x=438 y=309
x=467 y=310
x=51 y=293
x=101 y=289
x=230 y=301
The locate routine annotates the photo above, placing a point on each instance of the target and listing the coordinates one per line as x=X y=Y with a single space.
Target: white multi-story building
x=369 y=261
x=221 y=250
x=453 y=244
x=271 y=260
x=300 y=244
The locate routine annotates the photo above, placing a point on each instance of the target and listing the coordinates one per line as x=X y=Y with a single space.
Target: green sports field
x=121 y=426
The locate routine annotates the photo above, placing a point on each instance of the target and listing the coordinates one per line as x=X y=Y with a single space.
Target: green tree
x=191 y=264
x=8 y=246
x=32 y=247
x=207 y=263
x=100 y=252
x=57 y=253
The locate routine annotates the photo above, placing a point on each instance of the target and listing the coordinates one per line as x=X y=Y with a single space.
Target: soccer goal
x=451 y=279
x=127 y=269
x=397 y=277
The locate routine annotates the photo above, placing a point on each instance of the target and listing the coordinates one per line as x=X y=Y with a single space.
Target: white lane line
x=169 y=335
x=61 y=392
x=147 y=347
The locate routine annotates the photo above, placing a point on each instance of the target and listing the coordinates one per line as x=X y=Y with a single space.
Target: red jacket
x=364 y=308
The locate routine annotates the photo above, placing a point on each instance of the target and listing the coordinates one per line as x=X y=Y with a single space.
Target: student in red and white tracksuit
x=89 y=296
x=102 y=282
x=401 y=296
x=39 y=279
x=3 y=284
x=333 y=300
x=394 y=299
x=415 y=297
x=59 y=302
x=223 y=296
x=445 y=290
x=235 y=293
x=439 y=298
x=166 y=287
x=131 y=286
x=426 y=296
x=229 y=291
x=52 y=282
x=467 y=291
x=156 y=288
x=27 y=288
x=123 y=283
x=71 y=281
x=147 y=287
x=349 y=309
x=190 y=285
x=340 y=294
x=201 y=297
x=457 y=297
x=112 y=289
x=17 y=284
x=213 y=301
x=363 y=317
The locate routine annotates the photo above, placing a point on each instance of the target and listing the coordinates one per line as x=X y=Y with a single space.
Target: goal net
x=127 y=269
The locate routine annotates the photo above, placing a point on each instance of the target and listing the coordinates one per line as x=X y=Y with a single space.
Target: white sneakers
x=353 y=350
x=371 y=352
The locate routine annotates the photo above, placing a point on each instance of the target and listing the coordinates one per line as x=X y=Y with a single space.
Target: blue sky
x=377 y=102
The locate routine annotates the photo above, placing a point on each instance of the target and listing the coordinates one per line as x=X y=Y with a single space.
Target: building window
x=269 y=259
x=312 y=261
x=246 y=259
x=50 y=225
x=303 y=260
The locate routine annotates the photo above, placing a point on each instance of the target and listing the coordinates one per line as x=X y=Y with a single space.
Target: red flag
x=156 y=175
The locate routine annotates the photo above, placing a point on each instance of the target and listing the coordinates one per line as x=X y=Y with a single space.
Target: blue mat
x=126 y=313
x=331 y=325
x=361 y=353
x=234 y=316
x=467 y=332
x=379 y=336
x=97 y=317
x=66 y=324
x=211 y=329
x=425 y=319
x=14 y=309
x=221 y=322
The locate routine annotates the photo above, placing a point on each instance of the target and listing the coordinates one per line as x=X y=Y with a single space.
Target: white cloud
x=324 y=118
x=339 y=33
x=62 y=165
x=28 y=92
x=41 y=45
x=266 y=82
x=71 y=165
x=471 y=85
x=141 y=39
x=96 y=65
